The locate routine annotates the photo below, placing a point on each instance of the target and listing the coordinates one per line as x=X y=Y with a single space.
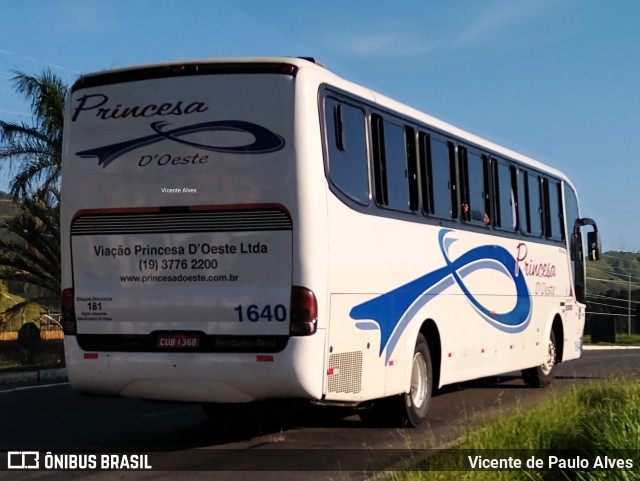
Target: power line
x=610 y=306
x=610 y=281
x=634 y=256
x=626 y=274
x=626 y=309
x=603 y=313
x=610 y=298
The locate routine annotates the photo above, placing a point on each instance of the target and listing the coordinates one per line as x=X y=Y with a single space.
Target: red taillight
x=68 y=312
x=304 y=312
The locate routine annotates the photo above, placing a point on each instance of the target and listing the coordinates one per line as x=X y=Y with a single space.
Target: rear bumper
x=295 y=372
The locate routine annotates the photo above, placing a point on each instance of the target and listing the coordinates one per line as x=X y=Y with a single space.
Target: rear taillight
x=304 y=312
x=68 y=312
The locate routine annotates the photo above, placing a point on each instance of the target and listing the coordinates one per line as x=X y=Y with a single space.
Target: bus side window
x=516 y=197
x=534 y=197
x=412 y=169
x=463 y=175
x=560 y=221
x=505 y=196
x=523 y=202
x=347 y=149
x=487 y=193
x=474 y=188
x=437 y=181
x=426 y=173
x=396 y=166
x=379 y=160
x=553 y=221
x=395 y=178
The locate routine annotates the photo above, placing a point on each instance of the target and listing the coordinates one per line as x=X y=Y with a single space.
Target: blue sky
x=558 y=80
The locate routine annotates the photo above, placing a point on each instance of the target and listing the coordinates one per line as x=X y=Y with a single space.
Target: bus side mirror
x=593 y=243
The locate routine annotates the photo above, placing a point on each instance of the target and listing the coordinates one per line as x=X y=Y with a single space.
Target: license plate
x=178 y=340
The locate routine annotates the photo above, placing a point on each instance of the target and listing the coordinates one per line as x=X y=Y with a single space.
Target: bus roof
x=275 y=65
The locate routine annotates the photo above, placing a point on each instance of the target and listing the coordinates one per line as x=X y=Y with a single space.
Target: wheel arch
x=558 y=330
x=430 y=331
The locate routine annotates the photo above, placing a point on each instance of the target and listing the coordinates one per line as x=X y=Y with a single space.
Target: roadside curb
x=33 y=377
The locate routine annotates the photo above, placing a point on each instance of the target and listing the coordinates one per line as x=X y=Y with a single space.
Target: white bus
x=250 y=229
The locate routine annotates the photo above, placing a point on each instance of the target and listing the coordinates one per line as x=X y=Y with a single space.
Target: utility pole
x=633 y=257
x=629 y=309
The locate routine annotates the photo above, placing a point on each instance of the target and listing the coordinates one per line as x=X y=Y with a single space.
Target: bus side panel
x=493 y=299
x=573 y=328
x=355 y=371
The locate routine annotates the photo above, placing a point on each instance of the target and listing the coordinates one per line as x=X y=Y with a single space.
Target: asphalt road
x=274 y=442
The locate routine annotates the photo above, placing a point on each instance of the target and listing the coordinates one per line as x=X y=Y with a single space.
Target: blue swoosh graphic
x=392 y=312
x=264 y=142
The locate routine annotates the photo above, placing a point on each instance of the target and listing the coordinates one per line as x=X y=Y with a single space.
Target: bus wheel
x=418 y=399
x=543 y=375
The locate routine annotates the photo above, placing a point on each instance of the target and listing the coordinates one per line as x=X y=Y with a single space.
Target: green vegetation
x=612 y=272
x=33 y=151
x=621 y=339
x=30 y=230
x=600 y=419
x=613 y=289
x=34 y=258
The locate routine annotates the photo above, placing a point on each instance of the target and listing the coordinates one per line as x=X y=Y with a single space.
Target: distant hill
x=613 y=286
x=616 y=270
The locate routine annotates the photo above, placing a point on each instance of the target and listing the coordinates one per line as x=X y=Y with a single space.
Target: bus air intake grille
x=346 y=369
x=179 y=222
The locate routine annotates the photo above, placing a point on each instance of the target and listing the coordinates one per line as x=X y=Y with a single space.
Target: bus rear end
x=178 y=222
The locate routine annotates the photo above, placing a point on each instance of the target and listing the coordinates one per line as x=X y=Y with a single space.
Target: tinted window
x=571 y=207
x=534 y=205
x=553 y=201
x=395 y=153
x=475 y=208
x=346 y=139
x=505 y=193
x=523 y=207
x=424 y=153
x=412 y=168
x=440 y=179
x=379 y=160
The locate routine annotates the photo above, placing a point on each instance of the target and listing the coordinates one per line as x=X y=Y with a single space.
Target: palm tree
x=34 y=151
x=33 y=257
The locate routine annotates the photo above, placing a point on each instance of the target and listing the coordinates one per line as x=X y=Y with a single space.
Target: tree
x=34 y=258
x=34 y=152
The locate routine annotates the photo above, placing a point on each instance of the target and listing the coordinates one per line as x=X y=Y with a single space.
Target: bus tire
x=418 y=399
x=544 y=374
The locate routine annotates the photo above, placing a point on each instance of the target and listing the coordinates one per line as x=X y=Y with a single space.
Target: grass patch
x=600 y=419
